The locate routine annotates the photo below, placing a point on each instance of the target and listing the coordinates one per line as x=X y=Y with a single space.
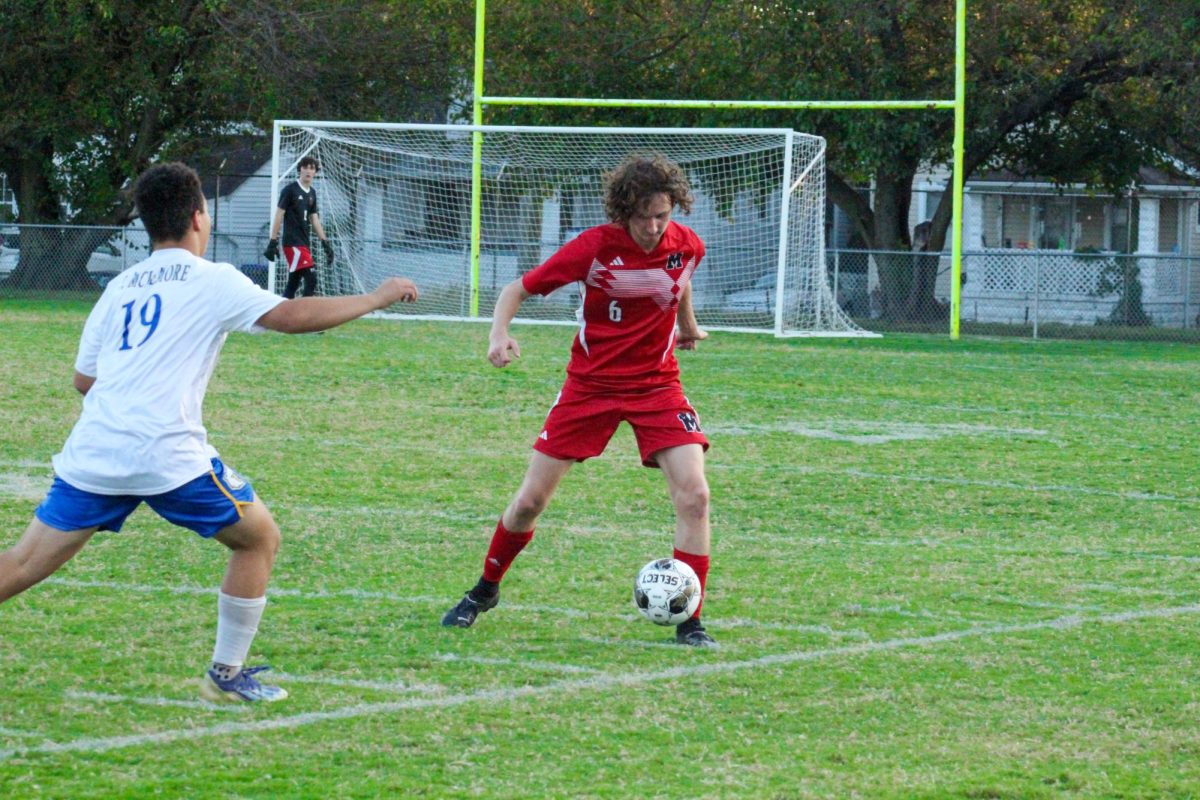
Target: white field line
x=1020 y=487
x=925 y=541
x=358 y=594
x=1137 y=591
x=997 y=599
x=894 y=611
x=811 y=541
x=545 y=666
x=859 y=431
x=591 y=683
x=354 y=683
x=154 y=701
x=640 y=644
x=15 y=734
x=823 y=630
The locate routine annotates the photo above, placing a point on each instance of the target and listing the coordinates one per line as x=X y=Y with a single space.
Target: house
x=1036 y=252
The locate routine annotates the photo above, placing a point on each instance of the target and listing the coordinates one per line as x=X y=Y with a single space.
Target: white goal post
x=398 y=199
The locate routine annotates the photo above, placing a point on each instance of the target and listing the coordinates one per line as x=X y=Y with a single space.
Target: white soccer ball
x=666 y=591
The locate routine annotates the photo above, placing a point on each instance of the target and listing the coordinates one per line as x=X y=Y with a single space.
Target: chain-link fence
x=54 y=259
x=1034 y=293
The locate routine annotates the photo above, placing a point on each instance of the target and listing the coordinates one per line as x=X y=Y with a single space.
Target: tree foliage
x=96 y=90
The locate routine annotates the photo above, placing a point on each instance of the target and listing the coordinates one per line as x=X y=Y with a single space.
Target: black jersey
x=297 y=204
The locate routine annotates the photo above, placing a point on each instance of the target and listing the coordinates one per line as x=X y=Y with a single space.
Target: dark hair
x=631 y=184
x=166 y=196
x=308 y=161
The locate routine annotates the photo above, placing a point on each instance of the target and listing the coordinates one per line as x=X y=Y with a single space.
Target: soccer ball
x=666 y=591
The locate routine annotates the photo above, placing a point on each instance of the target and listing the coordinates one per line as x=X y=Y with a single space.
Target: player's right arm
x=83 y=383
x=276 y=224
x=308 y=314
x=500 y=343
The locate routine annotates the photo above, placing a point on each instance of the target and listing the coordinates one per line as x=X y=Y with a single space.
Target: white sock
x=237 y=622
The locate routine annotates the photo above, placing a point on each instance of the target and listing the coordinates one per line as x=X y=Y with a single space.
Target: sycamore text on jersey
x=149 y=277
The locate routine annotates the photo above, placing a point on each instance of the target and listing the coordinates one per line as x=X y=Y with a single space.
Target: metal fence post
x=836 y=270
x=1187 y=291
x=1037 y=291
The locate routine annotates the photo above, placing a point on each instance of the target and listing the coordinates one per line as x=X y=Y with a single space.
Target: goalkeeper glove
x=272 y=251
x=328 y=248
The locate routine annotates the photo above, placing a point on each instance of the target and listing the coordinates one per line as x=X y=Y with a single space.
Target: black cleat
x=692 y=633
x=463 y=615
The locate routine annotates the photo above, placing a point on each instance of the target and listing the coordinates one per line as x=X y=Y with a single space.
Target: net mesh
x=397 y=200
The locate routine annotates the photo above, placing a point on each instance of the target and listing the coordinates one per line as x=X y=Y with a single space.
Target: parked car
x=758 y=299
x=106 y=263
x=10 y=249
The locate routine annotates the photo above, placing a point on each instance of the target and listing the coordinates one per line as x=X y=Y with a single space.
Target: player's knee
x=692 y=501
x=527 y=506
x=271 y=539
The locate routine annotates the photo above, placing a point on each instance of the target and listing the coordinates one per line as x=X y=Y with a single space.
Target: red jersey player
x=635 y=275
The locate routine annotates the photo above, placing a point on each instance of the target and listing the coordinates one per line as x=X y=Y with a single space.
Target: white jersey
x=151 y=343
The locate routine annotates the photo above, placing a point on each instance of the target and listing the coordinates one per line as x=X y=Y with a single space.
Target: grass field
x=940 y=570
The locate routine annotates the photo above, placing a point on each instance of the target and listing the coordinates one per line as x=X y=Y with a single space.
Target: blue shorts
x=204 y=505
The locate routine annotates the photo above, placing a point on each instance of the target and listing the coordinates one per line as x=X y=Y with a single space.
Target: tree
x=96 y=90
x=1077 y=90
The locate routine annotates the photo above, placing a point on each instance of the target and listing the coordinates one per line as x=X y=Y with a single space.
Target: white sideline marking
x=319 y=594
x=387 y=513
x=999 y=599
x=546 y=666
x=893 y=611
x=22 y=487
x=872 y=431
x=640 y=644
x=358 y=594
x=825 y=630
x=1021 y=487
x=156 y=701
x=604 y=681
x=354 y=683
x=1135 y=590
x=20 y=734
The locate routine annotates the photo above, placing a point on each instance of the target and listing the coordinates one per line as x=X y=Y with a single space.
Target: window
x=1168 y=225
x=1091 y=223
x=1056 y=224
x=1015 y=223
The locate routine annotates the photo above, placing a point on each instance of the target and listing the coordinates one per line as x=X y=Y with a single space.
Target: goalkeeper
x=635 y=274
x=296 y=209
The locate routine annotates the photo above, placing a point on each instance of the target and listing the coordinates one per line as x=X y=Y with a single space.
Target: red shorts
x=581 y=423
x=297 y=258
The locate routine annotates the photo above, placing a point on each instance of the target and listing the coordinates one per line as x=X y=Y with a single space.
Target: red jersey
x=626 y=338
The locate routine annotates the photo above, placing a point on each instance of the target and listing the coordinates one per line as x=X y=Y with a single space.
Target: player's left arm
x=690 y=331
x=315 y=219
x=83 y=383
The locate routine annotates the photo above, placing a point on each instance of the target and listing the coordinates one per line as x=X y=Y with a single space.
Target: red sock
x=504 y=548
x=699 y=565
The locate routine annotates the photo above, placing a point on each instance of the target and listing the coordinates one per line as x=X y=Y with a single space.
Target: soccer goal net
x=398 y=200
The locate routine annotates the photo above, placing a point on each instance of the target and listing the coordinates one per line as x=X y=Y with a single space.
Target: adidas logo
x=616 y=262
x=543 y=436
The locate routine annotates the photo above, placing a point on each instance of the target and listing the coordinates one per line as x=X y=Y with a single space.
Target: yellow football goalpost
x=957 y=104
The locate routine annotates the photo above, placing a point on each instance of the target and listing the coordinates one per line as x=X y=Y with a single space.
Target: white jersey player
x=147 y=352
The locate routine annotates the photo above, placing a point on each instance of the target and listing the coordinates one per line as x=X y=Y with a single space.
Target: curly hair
x=637 y=178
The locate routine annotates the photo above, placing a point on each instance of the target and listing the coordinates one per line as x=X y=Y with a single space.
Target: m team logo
x=675 y=261
x=691 y=422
